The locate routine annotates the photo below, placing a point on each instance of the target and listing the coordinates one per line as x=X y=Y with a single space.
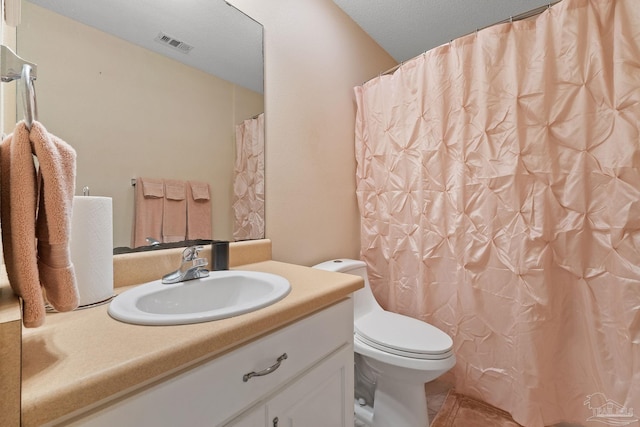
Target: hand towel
x=18 y=206
x=49 y=266
x=148 y=205
x=174 y=217
x=57 y=173
x=198 y=211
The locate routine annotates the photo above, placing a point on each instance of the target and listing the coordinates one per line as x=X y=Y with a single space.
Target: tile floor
x=436 y=391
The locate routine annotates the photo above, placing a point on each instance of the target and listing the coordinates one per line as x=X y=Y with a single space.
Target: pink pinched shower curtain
x=499 y=188
x=248 y=182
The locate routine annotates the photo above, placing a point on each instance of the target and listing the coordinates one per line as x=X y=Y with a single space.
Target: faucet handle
x=191 y=253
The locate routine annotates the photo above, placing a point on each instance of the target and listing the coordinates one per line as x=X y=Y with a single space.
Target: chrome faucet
x=191 y=267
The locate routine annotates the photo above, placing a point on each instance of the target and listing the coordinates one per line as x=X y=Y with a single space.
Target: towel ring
x=29 y=96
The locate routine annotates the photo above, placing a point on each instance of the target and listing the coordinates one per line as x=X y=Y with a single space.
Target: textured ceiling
x=226 y=43
x=407 y=28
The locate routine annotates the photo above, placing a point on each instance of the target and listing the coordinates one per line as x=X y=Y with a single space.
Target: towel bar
x=12 y=67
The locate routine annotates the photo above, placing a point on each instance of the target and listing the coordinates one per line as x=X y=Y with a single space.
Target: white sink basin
x=223 y=294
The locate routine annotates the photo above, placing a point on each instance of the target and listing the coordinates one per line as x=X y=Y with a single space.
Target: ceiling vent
x=173 y=43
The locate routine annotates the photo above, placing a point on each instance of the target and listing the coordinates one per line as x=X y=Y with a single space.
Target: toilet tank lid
x=341 y=265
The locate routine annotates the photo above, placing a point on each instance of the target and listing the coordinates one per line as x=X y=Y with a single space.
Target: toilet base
x=399 y=404
x=399 y=399
x=363 y=414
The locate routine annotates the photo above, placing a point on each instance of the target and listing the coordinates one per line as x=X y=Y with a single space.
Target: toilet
x=405 y=353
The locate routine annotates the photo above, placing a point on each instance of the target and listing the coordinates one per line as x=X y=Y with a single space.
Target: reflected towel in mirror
x=198 y=210
x=149 y=202
x=174 y=216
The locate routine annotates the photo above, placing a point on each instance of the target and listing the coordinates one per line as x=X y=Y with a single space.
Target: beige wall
x=314 y=56
x=7 y=90
x=129 y=112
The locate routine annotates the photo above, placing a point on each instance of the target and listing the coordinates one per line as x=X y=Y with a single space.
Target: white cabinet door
x=322 y=397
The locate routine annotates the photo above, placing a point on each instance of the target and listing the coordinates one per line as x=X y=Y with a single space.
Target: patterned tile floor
x=436 y=391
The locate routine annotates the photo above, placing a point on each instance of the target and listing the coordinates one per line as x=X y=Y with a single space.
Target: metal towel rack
x=12 y=67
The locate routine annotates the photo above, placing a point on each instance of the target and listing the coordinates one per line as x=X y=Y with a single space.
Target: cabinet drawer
x=305 y=343
x=214 y=391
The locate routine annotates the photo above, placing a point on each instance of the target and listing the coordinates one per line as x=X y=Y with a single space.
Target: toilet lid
x=403 y=335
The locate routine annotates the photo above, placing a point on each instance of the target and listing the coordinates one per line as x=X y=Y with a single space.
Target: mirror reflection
x=133 y=107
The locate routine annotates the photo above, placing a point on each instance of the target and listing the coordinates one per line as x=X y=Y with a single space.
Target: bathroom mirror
x=145 y=89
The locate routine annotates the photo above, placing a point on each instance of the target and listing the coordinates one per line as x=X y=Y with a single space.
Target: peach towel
x=198 y=211
x=174 y=217
x=149 y=202
x=42 y=216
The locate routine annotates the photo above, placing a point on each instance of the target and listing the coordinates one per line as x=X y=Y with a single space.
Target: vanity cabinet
x=311 y=386
x=320 y=398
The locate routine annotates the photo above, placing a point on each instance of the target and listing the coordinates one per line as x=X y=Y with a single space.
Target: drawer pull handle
x=270 y=369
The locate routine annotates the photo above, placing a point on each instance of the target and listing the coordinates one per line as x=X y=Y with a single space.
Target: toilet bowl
x=404 y=352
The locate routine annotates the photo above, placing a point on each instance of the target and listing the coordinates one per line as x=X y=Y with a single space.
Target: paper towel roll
x=91 y=248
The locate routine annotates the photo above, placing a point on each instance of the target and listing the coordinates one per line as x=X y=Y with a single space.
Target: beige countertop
x=82 y=358
x=10 y=347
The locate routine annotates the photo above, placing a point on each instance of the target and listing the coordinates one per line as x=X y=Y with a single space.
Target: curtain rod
x=520 y=17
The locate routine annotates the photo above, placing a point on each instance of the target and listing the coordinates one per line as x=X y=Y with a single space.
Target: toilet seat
x=403 y=336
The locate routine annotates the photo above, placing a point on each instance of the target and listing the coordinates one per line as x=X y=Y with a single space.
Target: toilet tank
x=363 y=299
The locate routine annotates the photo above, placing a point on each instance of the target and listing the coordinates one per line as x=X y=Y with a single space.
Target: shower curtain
x=498 y=180
x=248 y=183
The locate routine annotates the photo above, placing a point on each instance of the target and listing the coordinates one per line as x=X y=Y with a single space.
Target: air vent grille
x=173 y=43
